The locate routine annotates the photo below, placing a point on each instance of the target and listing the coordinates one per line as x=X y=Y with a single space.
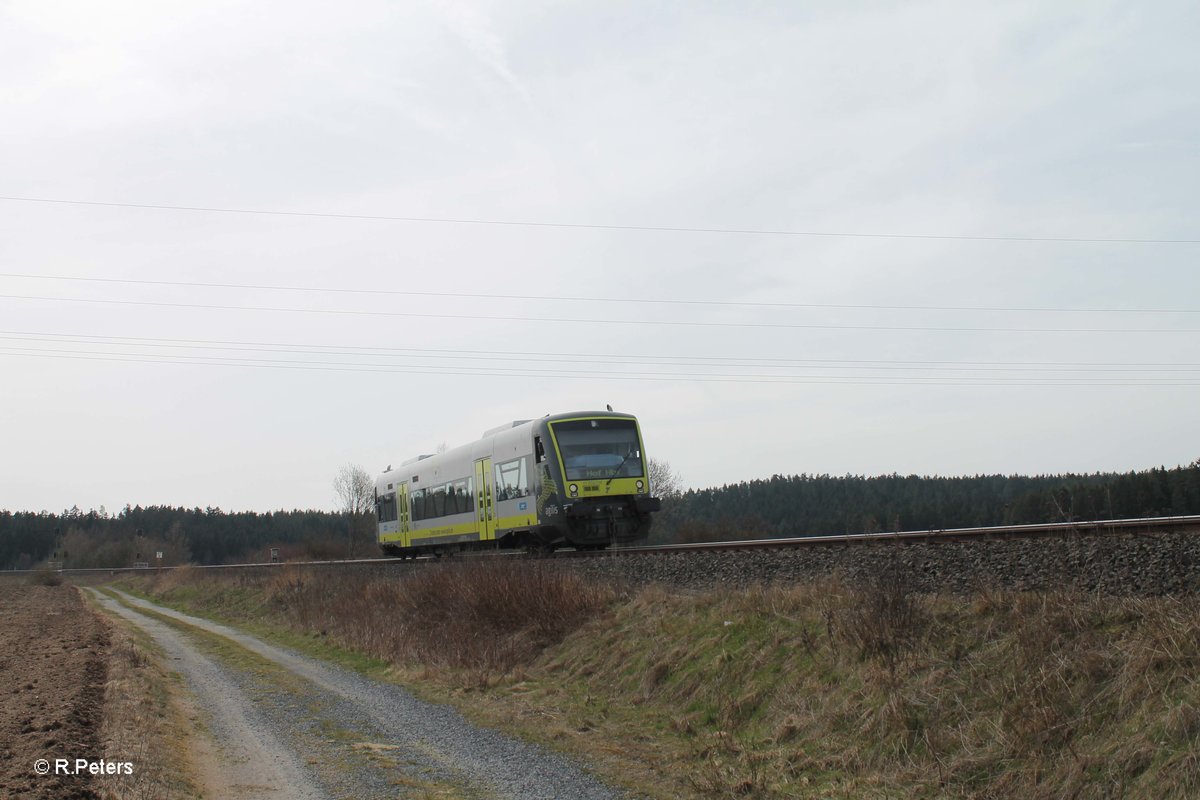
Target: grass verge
x=142 y=724
x=820 y=690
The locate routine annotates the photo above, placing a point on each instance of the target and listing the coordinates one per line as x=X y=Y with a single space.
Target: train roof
x=501 y=431
x=516 y=423
x=584 y=415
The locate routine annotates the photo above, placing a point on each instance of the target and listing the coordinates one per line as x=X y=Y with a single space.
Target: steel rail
x=1079 y=528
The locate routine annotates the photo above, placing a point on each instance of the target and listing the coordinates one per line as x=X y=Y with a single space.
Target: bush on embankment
x=485 y=617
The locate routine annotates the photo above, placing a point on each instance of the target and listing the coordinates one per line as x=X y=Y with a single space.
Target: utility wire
x=572 y=359
x=838 y=380
x=570 y=320
x=690 y=360
x=576 y=299
x=568 y=225
x=566 y=371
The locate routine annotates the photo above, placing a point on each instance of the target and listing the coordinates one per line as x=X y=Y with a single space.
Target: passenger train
x=578 y=480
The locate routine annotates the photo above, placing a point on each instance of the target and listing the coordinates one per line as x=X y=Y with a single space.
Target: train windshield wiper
x=618 y=470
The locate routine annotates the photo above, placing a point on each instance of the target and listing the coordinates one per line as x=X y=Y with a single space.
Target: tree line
x=80 y=539
x=95 y=539
x=811 y=505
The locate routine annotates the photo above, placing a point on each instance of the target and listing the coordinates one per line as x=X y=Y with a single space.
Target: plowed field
x=52 y=673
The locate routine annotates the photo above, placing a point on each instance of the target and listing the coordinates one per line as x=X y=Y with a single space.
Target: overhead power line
x=567 y=366
x=641 y=359
x=590 y=226
x=570 y=298
x=583 y=321
x=608 y=376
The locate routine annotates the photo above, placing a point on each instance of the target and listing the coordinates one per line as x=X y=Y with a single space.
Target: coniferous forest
x=783 y=505
x=89 y=539
x=807 y=505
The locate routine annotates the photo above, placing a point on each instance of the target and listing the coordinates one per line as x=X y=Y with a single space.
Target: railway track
x=1146 y=526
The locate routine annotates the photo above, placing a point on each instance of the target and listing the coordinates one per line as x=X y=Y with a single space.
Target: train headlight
x=640 y=485
x=574 y=489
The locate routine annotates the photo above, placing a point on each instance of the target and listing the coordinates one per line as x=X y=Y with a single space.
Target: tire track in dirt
x=244 y=759
x=428 y=748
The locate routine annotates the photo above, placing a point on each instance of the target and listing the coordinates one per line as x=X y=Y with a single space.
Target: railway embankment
x=1145 y=565
x=851 y=683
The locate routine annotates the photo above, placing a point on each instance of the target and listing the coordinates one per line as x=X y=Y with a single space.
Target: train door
x=485 y=515
x=402 y=502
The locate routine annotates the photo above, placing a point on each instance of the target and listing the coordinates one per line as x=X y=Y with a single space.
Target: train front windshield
x=599 y=449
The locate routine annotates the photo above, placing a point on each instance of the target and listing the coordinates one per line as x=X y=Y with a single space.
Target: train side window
x=387 y=507
x=438 y=494
x=511 y=480
x=462 y=496
x=417 y=499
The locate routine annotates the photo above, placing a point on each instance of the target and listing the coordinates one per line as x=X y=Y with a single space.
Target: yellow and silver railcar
x=577 y=479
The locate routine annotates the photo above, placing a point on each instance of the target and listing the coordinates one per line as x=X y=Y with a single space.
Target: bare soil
x=53 y=656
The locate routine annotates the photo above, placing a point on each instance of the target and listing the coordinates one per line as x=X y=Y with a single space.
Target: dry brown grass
x=837 y=689
x=485 y=617
x=141 y=726
x=883 y=618
x=829 y=689
x=482 y=617
x=170 y=579
x=44 y=576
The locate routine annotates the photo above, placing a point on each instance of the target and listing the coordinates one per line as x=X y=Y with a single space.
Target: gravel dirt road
x=282 y=724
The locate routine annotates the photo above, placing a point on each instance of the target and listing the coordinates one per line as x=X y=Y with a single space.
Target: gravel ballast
x=1116 y=564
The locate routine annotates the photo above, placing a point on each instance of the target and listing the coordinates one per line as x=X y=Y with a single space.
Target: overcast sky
x=973 y=248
